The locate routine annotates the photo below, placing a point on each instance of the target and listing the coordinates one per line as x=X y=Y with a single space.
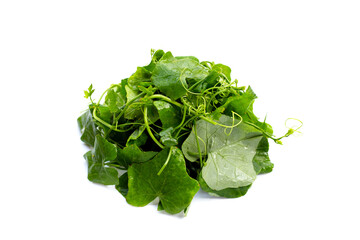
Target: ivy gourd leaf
x=132 y=154
x=240 y=104
x=223 y=69
x=138 y=137
x=170 y=115
x=208 y=82
x=114 y=101
x=104 y=113
x=243 y=105
x=122 y=187
x=174 y=187
x=102 y=153
x=156 y=56
x=166 y=137
x=261 y=160
x=134 y=111
x=87 y=128
x=141 y=75
x=229 y=155
x=170 y=76
x=189 y=57
x=227 y=192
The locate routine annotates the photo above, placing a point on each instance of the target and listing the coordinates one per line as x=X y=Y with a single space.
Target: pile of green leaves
x=174 y=126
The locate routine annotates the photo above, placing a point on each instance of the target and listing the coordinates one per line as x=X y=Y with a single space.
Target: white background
x=302 y=58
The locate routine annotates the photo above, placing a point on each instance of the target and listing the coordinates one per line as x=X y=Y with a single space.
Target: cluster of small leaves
x=174 y=126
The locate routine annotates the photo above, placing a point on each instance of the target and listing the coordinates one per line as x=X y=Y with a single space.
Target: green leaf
x=104 y=113
x=122 y=187
x=160 y=207
x=102 y=153
x=141 y=75
x=132 y=154
x=134 y=110
x=188 y=57
x=223 y=69
x=173 y=186
x=114 y=100
x=229 y=153
x=156 y=56
x=243 y=105
x=138 y=137
x=227 y=192
x=170 y=76
x=240 y=104
x=208 y=82
x=170 y=115
x=89 y=92
x=166 y=137
x=87 y=128
x=261 y=160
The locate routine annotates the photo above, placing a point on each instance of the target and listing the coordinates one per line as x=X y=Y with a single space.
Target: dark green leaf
x=138 y=137
x=104 y=113
x=87 y=128
x=240 y=104
x=173 y=186
x=122 y=187
x=261 y=160
x=132 y=154
x=160 y=206
x=170 y=115
x=208 y=82
x=102 y=153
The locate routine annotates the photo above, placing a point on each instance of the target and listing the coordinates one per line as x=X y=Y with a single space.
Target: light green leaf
x=114 y=100
x=229 y=154
x=141 y=75
x=134 y=110
x=166 y=137
x=227 y=192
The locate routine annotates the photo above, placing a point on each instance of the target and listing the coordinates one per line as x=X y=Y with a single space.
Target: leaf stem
x=166 y=162
x=146 y=122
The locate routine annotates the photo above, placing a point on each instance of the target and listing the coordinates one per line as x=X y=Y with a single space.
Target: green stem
x=191 y=110
x=111 y=127
x=146 y=122
x=124 y=108
x=182 y=120
x=159 y=96
x=116 y=166
x=166 y=162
